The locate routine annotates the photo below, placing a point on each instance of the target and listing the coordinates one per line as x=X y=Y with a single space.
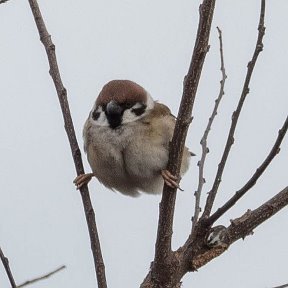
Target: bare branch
x=162 y=260
x=32 y=281
x=203 y=142
x=242 y=227
x=5 y=262
x=252 y=181
x=69 y=127
x=3 y=1
x=235 y=116
x=163 y=243
x=282 y=286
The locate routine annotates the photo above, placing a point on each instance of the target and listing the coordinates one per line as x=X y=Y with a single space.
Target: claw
x=82 y=179
x=170 y=180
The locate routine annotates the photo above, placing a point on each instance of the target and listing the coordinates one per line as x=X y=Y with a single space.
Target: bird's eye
x=128 y=105
x=95 y=115
x=140 y=110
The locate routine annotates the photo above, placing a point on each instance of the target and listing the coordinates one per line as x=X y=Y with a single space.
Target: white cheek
x=102 y=119
x=129 y=116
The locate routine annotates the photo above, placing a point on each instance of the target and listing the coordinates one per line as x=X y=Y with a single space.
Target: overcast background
x=42 y=224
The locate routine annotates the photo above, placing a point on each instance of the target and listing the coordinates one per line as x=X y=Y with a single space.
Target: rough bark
x=45 y=38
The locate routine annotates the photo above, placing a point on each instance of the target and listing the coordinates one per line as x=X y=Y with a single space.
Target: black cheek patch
x=139 y=111
x=95 y=115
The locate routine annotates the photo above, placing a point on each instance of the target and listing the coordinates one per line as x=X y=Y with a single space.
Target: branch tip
x=235 y=116
x=6 y=265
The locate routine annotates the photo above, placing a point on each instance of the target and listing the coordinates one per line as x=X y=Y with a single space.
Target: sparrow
x=126 y=138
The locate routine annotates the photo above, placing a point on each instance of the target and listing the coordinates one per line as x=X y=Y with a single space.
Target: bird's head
x=120 y=102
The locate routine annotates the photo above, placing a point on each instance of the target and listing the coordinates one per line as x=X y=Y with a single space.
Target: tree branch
x=235 y=116
x=3 y=1
x=5 y=262
x=242 y=227
x=203 y=142
x=69 y=127
x=162 y=259
x=252 y=181
x=282 y=286
x=32 y=281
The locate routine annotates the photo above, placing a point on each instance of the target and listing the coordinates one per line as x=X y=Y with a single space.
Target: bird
x=217 y=237
x=126 y=138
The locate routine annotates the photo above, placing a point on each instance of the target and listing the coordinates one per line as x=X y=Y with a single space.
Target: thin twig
x=203 y=142
x=282 y=286
x=235 y=116
x=69 y=127
x=5 y=262
x=32 y=281
x=252 y=181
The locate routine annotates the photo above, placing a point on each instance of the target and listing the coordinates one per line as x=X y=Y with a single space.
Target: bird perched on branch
x=126 y=137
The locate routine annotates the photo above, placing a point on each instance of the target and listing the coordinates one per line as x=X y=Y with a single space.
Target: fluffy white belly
x=125 y=164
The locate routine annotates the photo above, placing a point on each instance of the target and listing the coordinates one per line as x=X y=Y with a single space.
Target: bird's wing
x=161 y=124
x=160 y=110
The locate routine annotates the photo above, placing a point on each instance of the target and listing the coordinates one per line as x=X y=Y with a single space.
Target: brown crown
x=121 y=91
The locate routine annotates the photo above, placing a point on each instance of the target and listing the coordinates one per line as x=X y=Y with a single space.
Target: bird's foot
x=82 y=179
x=170 y=180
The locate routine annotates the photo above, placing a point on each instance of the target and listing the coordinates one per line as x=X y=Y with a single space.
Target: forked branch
x=6 y=265
x=235 y=116
x=69 y=127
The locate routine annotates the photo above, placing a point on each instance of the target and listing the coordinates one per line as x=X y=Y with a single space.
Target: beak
x=114 y=114
x=113 y=108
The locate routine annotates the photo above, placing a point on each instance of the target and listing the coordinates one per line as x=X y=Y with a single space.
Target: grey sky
x=42 y=221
